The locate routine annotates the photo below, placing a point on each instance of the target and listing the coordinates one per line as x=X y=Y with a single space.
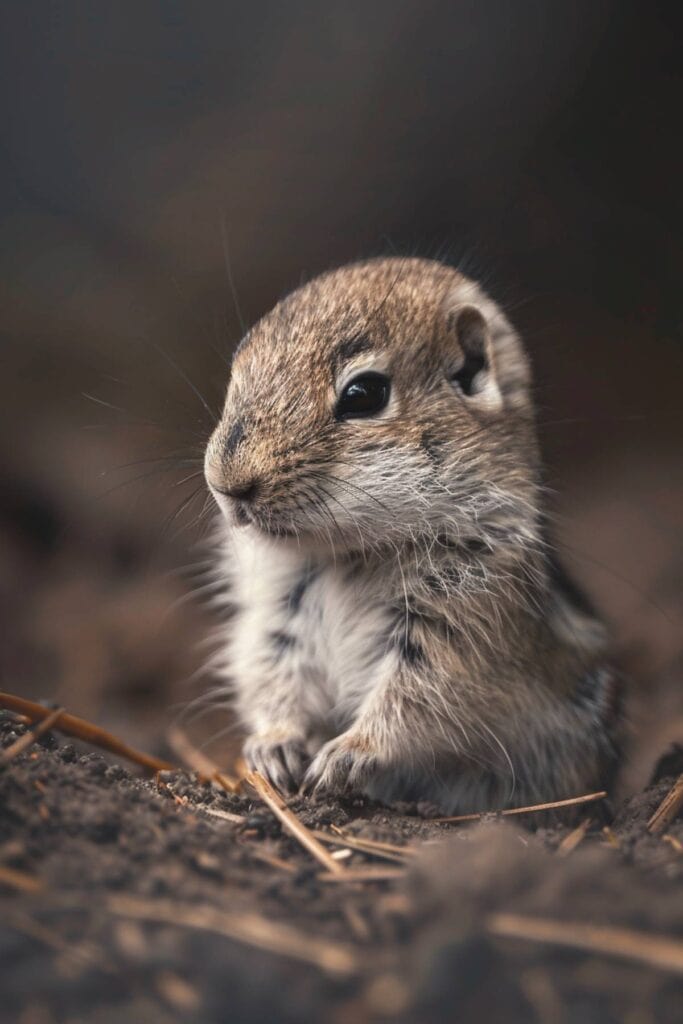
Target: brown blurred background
x=159 y=159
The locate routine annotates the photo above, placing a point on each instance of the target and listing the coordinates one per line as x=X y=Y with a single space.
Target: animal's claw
x=282 y=760
x=344 y=763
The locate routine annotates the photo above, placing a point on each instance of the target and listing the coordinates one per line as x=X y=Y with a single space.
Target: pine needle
x=292 y=824
x=19 y=880
x=197 y=761
x=70 y=725
x=250 y=929
x=532 y=809
x=624 y=943
x=29 y=738
x=371 y=873
x=573 y=838
x=668 y=809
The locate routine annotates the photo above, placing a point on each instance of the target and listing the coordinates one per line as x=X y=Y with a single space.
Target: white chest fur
x=323 y=626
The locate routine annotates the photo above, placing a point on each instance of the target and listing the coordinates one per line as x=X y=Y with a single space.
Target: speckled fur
x=400 y=624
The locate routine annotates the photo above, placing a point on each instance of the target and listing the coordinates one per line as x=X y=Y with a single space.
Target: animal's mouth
x=274 y=523
x=276 y=530
x=265 y=524
x=241 y=515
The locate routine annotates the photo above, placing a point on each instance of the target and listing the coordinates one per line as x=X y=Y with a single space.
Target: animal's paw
x=345 y=762
x=281 y=758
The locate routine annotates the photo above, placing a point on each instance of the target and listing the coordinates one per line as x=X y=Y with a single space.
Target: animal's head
x=382 y=401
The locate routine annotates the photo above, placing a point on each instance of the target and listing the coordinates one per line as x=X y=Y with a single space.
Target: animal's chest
x=331 y=627
x=345 y=627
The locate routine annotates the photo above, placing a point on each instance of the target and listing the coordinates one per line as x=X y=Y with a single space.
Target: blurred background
x=169 y=170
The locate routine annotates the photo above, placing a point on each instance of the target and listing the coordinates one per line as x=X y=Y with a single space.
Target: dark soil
x=135 y=874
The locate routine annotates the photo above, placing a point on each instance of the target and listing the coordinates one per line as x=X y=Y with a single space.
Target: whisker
x=192 y=476
x=183 y=375
x=231 y=281
x=184 y=504
x=132 y=480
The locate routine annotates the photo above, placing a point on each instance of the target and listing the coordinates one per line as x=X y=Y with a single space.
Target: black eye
x=365 y=395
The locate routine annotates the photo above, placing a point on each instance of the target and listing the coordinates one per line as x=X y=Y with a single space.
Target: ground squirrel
x=401 y=623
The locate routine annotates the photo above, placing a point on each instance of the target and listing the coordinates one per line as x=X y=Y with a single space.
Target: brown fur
x=490 y=685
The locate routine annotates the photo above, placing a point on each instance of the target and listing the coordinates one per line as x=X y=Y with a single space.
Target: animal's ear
x=472 y=365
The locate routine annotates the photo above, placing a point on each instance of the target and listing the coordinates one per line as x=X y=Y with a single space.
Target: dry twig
x=356 y=922
x=377 y=845
x=251 y=929
x=668 y=809
x=19 y=880
x=214 y=812
x=371 y=873
x=289 y=820
x=627 y=944
x=270 y=858
x=674 y=843
x=70 y=725
x=611 y=839
x=573 y=838
x=198 y=761
x=387 y=851
x=587 y=798
x=30 y=737
x=369 y=846
x=82 y=954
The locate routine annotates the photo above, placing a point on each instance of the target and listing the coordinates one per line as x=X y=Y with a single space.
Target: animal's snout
x=226 y=470
x=244 y=491
x=232 y=482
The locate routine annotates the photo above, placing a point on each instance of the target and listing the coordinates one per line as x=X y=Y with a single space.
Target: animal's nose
x=245 y=491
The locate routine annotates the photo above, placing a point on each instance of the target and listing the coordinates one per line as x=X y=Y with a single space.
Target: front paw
x=344 y=763
x=281 y=758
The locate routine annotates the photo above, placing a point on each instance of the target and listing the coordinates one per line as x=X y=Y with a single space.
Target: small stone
x=48 y=741
x=94 y=763
x=206 y=863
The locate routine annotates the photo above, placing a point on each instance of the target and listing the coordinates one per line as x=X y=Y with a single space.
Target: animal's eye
x=365 y=395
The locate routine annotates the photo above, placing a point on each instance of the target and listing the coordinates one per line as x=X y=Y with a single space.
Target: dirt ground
x=169 y=900
x=135 y=903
